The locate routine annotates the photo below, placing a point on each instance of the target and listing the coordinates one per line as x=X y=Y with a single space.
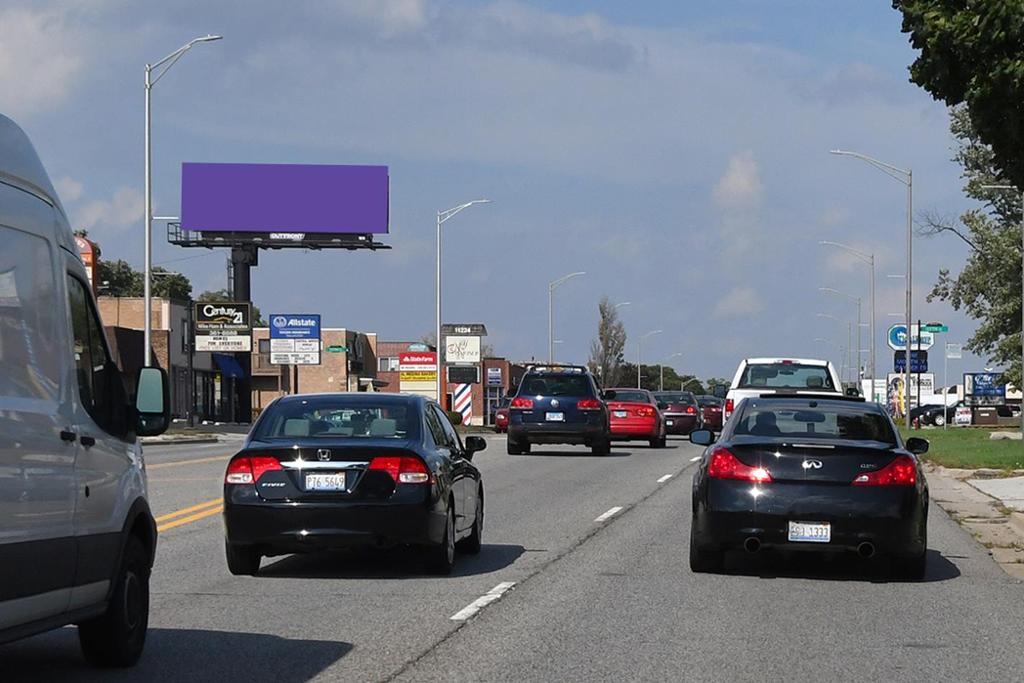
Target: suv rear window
x=556 y=385
x=786 y=376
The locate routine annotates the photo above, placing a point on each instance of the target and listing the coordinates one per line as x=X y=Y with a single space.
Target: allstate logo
x=279 y=321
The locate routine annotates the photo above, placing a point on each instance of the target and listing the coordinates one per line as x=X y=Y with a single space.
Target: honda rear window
x=819 y=422
x=327 y=418
x=634 y=396
x=556 y=385
x=786 y=376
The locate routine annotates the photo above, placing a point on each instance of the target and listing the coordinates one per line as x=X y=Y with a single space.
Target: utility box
x=986 y=415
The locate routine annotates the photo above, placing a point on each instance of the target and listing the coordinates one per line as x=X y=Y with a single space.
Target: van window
x=91 y=361
x=29 y=337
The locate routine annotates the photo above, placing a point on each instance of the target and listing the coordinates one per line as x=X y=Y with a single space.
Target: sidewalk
x=989 y=508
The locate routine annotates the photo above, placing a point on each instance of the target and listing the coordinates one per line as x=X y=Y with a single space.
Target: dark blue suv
x=558 y=404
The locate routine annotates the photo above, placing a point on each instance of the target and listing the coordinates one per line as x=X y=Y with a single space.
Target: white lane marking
x=695 y=458
x=481 y=602
x=662 y=480
x=614 y=511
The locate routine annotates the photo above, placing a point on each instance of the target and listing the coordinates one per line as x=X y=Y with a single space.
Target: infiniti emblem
x=554 y=403
x=324 y=454
x=811 y=464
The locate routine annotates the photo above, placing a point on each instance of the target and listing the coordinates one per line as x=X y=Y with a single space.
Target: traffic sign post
x=954 y=351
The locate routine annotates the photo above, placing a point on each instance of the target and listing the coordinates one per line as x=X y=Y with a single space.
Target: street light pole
x=870 y=260
x=1011 y=187
x=905 y=176
x=857 y=299
x=552 y=286
x=443 y=216
x=661 y=370
x=147 y=289
x=640 y=354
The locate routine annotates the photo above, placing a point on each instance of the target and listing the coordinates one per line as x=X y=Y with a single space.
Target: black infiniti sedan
x=800 y=472
x=324 y=471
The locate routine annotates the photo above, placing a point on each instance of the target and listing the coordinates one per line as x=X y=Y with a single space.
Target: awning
x=229 y=367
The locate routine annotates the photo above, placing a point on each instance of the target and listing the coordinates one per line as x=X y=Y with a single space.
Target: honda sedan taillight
x=248 y=469
x=403 y=469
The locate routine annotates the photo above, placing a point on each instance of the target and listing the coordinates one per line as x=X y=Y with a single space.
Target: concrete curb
x=992 y=524
x=159 y=440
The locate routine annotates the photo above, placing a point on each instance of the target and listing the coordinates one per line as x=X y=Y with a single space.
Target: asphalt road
x=591 y=600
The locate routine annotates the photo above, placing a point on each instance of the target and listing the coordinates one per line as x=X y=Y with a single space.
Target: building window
x=387 y=364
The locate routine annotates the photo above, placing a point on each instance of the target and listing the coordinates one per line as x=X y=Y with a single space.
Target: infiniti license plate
x=810 y=532
x=556 y=417
x=334 y=481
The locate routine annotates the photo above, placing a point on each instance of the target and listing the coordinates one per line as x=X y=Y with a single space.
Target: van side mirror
x=152 y=402
x=702 y=437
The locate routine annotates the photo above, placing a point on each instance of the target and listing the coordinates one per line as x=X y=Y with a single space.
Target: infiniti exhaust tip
x=752 y=544
x=866 y=550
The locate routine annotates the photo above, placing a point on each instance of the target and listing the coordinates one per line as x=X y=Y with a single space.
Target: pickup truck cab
x=756 y=376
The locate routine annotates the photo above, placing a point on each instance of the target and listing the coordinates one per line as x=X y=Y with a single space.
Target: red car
x=501 y=417
x=634 y=416
x=682 y=414
x=711 y=406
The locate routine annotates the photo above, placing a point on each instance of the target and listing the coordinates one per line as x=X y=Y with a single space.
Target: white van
x=77 y=538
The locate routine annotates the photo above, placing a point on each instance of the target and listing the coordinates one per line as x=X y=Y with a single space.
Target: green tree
x=970 y=53
x=118 y=278
x=170 y=285
x=606 y=350
x=988 y=288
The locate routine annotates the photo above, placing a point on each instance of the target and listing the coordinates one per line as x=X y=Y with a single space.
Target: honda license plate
x=621 y=413
x=334 y=481
x=810 y=532
x=556 y=417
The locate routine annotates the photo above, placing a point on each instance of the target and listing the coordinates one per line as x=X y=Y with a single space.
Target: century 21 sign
x=223 y=316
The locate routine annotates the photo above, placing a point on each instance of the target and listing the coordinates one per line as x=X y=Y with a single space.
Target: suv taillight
x=725 y=465
x=902 y=471
x=588 y=404
x=249 y=468
x=521 y=403
x=403 y=469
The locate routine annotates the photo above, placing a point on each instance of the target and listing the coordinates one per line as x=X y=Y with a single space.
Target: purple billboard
x=284 y=198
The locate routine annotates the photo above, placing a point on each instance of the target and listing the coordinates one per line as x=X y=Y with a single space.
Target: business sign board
x=963 y=415
x=494 y=378
x=295 y=338
x=983 y=389
x=918 y=361
x=465 y=374
x=897 y=338
x=462 y=349
x=417 y=366
x=223 y=326
x=954 y=351
x=284 y=201
x=474 y=329
x=894 y=383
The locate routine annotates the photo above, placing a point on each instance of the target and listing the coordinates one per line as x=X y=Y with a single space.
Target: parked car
x=756 y=376
x=681 y=411
x=323 y=471
x=558 y=404
x=78 y=538
x=825 y=474
x=712 y=409
x=635 y=416
x=501 y=416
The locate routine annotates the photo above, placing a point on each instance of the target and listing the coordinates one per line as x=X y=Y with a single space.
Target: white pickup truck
x=756 y=376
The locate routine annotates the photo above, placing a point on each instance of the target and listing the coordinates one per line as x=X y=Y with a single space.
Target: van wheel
x=242 y=560
x=116 y=638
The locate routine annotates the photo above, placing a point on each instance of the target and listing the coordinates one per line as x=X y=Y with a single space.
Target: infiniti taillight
x=725 y=465
x=248 y=469
x=588 y=404
x=902 y=471
x=521 y=403
x=403 y=469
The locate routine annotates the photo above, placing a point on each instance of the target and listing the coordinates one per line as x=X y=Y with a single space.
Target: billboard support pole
x=243 y=258
x=191 y=365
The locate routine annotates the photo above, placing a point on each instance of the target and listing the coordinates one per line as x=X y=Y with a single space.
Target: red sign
x=89 y=254
x=417 y=360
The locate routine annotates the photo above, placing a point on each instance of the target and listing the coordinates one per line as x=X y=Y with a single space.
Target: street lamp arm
x=442 y=216
x=894 y=172
x=176 y=55
x=863 y=256
x=557 y=283
x=830 y=290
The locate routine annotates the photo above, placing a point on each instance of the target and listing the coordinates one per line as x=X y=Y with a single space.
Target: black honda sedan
x=810 y=473
x=325 y=471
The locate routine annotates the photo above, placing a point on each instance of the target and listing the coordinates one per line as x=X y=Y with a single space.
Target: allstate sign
x=898 y=338
x=295 y=326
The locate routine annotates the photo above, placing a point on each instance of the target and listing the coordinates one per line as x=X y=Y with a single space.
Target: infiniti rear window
x=813 y=421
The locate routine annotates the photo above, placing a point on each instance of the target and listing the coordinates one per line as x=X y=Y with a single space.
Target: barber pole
x=462 y=398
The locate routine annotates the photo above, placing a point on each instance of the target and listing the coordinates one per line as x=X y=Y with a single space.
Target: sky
x=677 y=152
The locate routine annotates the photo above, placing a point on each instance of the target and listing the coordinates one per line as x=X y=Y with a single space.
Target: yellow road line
x=185 y=511
x=191 y=518
x=195 y=461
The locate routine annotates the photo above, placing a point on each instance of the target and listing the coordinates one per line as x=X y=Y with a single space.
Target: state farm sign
x=417 y=366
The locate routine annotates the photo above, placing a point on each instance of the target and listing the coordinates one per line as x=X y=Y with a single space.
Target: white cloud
x=741 y=185
x=124 y=209
x=68 y=189
x=39 y=60
x=387 y=18
x=740 y=301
